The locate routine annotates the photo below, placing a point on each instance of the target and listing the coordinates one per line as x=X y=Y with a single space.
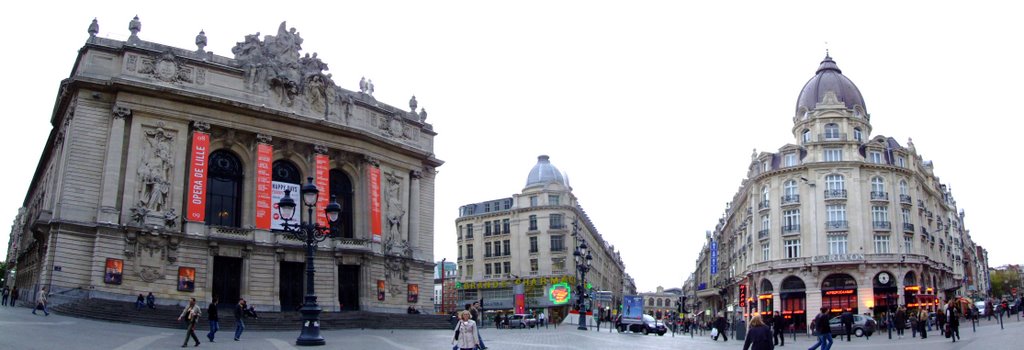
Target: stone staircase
x=166 y=316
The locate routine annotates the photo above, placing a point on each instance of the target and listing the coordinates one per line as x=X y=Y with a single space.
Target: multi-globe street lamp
x=311 y=234
x=583 y=260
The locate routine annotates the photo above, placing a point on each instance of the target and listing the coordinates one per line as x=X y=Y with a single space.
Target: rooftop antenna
x=826 y=49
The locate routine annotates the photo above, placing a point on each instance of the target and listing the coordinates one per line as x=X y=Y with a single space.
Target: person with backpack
x=822 y=330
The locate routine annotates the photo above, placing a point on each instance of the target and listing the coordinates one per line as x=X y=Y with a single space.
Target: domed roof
x=544 y=173
x=828 y=77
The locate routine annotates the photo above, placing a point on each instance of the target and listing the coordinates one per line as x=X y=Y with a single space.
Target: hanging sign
x=264 y=154
x=323 y=183
x=375 y=203
x=196 y=210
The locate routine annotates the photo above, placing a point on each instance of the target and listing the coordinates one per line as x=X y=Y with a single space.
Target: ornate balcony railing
x=905 y=199
x=791 y=199
x=763 y=234
x=879 y=196
x=881 y=225
x=763 y=205
x=835 y=194
x=790 y=229
x=909 y=228
x=838 y=225
x=832 y=137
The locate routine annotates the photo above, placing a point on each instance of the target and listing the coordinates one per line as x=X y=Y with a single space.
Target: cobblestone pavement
x=19 y=329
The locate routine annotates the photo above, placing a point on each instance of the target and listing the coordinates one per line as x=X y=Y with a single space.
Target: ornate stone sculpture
x=155 y=169
x=135 y=26
x=412 y=104
x=150 y=252
x=423 y=115
x=362 y=85
x=94 y=28
x=274 y=64
x=201 y=41
x=395 y=210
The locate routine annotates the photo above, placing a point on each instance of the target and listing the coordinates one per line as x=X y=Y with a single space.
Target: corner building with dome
x=516 y=253
x=840 y=218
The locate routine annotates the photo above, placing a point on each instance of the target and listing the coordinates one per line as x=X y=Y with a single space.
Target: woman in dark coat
x=759 y=335
x=900 y=321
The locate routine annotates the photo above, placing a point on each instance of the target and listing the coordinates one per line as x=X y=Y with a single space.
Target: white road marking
x=281 y=344
x=142 y=342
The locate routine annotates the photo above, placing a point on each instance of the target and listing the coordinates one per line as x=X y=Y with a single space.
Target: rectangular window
x=469 y=251
x=487 y=228
x=906 y=215
x=533 y=201
x=791 y=218
x=908 y=244
x=555 y=221
x=765 y=252
x=557 y=264
x=790 y=159
x=469 y=231
x=487 y=270
x=497 y=268
x=837 y=244
x=833 y=154
x=558 y=243
x=487 y=207
x=460 y=231
x=508 y=204
x=879 y=213
x=792 y=248
x=882 y=244
x=460 y=252
x=533 y=265
x=469 y=270
x=533 y=244
x=508 y=247
x=875 y=157
x=497 y=226
x=836 y=212
x=508 y=267
x=504 y=226
x=901 y=162
x=533 y=222
x=553 y=199
x=487 y=250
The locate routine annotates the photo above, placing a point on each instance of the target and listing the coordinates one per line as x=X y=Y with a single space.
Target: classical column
x=109 y=212
x=414 y=210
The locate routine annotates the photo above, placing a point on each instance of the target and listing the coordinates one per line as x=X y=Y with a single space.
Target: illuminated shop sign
x=560 y=293
x=841 y=292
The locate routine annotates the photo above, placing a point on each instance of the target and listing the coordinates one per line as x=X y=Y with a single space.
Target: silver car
x=861 y=325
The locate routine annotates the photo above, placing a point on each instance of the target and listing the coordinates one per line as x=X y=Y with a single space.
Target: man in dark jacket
x=722 y=326
x=779 y=324
x=900 y=321
x=211 y=314
x=847 y=319
x=822 y=330
x=240 y=314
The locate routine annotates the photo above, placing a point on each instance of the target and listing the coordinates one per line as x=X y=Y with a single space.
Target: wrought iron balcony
x=905 y=199
x=835 y=194
x=790 y=229
x=839 y=225
x=791 y=199
x=763 y=234
x=832 y=136
x=879 y=196
x=909 y=228
x=881 y=225
x=763 y=205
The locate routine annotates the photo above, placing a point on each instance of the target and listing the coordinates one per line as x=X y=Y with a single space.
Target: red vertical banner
x=196 y=209
x=323 y=183
x=264 y=155
x=375 y=203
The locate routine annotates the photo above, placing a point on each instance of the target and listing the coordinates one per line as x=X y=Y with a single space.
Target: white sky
x=652 y=107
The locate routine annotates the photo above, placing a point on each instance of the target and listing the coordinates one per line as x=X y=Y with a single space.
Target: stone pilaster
x=414 y=212
x=109 y=212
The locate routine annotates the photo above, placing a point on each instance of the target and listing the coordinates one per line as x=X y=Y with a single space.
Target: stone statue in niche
x=395 y=210
x=155 y=169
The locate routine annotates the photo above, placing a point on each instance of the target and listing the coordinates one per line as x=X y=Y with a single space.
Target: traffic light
x=682 y=305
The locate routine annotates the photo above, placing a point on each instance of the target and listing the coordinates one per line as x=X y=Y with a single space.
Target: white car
x=981 y=308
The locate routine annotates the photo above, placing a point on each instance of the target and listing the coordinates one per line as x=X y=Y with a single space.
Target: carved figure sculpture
x=155 y=169
x=94 y=28
x=135 y=26
x=412 y=104
x=362 y=85
x=395 y=210
x=201 y=40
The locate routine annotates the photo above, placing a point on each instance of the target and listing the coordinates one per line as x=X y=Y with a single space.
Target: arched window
x=904 y=190
x=831 y=131
x=341 y=189
x=877 y=184
x=286 y=172
x=650 y=301
x=834 y=182
x=659 y=302
x=224 y=194
x=764 y=194
x=789 y=188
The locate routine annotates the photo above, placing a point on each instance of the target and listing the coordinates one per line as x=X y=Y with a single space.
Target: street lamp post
x=583 y=261
x=311 y=234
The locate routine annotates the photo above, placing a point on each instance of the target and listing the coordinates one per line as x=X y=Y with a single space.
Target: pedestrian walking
x=759 y=337
x=211 y=314
x=721 y=325
x=913 y=324
x=822 y=330
x=41 y=302
x=900 y=320
x=922 y=321
x=240 y=313
x=14 y=295
x=191 y=314
x=779 y=324
x=847 y=318
x=953 y=319
x=465 y=332
x=475 y=313
x=940 y=321
x=6 y=294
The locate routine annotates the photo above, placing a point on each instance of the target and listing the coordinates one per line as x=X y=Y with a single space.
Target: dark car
x=861 y=325
x=648 y=326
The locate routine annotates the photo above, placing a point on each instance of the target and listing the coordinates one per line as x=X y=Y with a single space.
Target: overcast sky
x=652 y=108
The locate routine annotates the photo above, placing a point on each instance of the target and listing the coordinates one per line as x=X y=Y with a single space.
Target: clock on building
x=883 y=278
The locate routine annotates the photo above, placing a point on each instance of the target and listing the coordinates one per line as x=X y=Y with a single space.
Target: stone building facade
x=524 y=245
x=840 y=218
x=163 y=167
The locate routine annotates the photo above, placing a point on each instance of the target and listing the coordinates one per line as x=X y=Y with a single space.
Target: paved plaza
x=22 y=330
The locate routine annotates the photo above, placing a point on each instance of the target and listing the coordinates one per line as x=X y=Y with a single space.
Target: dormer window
x=875 y=157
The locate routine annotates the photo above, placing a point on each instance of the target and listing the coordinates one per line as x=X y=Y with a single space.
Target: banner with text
x=264 y=204
x=324 y=185
x=196 y=210
x=276 y=195
x=375 y=203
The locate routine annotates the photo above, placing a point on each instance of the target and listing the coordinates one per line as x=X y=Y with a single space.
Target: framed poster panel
x=186 y=279
x=380 y=290
x=114 y=269
x=414 y=293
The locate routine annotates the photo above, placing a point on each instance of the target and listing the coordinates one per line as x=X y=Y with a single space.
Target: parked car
x=981 y=308
x=522 y=321
x=861 y=325
x=647 y=326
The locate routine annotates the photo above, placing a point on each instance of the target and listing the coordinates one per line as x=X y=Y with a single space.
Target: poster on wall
x=324 y=184
x=414 y=293
x=186 y=279
x=380 y=290
x=114 y=269
x=196 y=210
x=264 y=204
x=276 y=221
x=375 y=203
